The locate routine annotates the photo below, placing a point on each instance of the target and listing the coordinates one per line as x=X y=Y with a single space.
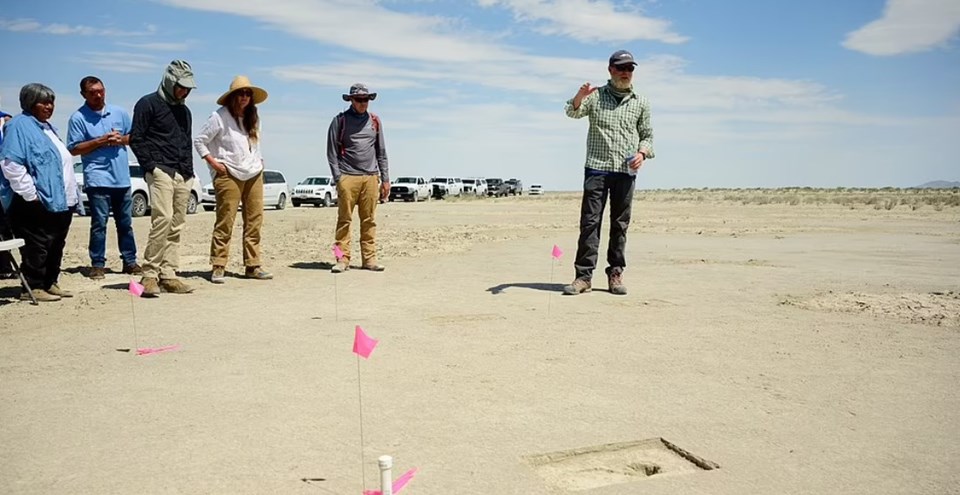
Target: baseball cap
x=621 y=57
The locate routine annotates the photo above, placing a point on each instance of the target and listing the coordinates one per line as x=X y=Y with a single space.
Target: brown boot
x=40 y=294
x=174 y=286
x=150 y=287
x=134 y=269
x=97 y=273
x=615 y=281
x=57 y=291
x=258 y=273
x=579 y=286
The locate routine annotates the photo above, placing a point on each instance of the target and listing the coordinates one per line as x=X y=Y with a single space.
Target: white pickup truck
x=410 y=189
x=446 y=186
x=315 y=190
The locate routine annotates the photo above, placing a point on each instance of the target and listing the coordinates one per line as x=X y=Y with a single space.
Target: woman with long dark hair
x=230 y=144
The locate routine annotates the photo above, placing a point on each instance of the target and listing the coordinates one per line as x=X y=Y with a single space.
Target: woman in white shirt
x=38 y=190
x=230 y=144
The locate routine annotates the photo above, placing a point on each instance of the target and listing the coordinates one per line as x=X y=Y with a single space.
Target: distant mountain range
x=938 y=184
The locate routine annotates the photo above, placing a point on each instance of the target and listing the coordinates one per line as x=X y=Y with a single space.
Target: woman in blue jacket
x=38 y=190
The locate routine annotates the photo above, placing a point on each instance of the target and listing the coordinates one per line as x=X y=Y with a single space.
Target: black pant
x=44 y=234
x=6 y=265
x=596 y=189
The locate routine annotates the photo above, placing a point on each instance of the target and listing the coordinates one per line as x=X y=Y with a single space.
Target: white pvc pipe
x=386 y=475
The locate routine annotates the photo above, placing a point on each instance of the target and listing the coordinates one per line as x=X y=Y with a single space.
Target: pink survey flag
x=362 y=344
x=557 y=252
x=156 y=350
x=135 y=288
x=398 y=484
x=337 y=252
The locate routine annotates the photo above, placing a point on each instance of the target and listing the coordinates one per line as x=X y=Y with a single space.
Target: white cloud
x=590 y=20
x=30 y=25
x=383 y=32
x=908 y=26
x=125 y=62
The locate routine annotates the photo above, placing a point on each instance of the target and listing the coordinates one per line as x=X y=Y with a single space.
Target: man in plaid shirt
x=620 y=138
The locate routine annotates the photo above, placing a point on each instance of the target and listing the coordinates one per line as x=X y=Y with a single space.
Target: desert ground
x=795 y=342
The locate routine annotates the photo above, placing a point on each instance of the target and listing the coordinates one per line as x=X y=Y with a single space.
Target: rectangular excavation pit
x=611 y=464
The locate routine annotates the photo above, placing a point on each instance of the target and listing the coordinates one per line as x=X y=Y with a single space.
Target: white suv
x=274 y=192
x=319 y=190
x=139 y=191
x=475 y=185
x=446 y=186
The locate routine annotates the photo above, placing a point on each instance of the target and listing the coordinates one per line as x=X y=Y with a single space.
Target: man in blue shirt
x=99 y=133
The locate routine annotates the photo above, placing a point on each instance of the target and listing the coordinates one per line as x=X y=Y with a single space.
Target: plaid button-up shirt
x=618 y=129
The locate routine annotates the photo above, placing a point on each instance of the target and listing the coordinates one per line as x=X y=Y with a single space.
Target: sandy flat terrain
x=802 y=348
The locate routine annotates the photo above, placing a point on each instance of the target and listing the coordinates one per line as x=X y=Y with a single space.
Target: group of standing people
x=39 y=192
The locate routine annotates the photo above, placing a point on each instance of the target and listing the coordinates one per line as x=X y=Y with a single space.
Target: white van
x=139 y=191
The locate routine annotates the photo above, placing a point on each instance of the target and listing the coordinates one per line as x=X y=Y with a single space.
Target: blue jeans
x=102 y=200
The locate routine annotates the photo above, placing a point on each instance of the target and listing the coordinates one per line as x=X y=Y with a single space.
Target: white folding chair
x=10 y=245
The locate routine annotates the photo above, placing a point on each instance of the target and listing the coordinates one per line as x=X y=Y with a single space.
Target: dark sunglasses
x=625 y=67
x=362 y=99
x=245 y=92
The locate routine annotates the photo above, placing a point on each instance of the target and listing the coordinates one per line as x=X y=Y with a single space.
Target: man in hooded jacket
x=160 y=138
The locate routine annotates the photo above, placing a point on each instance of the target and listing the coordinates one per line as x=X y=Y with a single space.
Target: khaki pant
x=169 y=197
x=362 y=191
x=230 y=193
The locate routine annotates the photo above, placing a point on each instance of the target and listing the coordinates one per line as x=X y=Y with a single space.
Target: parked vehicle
x=475 y=185
x=275 y=189
x=513 y=187
x=139 y=191
x=274 y=192
x=535 y=190
x=316 y=190
x=410 y=189
x=446 y=186
x=496 y=188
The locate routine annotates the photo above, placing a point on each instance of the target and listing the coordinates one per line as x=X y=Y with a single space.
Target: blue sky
x=749 y=93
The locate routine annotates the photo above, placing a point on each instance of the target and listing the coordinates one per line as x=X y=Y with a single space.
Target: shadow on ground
x=312 y=265
x=498 y=289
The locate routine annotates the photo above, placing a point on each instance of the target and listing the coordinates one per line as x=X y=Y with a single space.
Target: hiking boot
x=40 y=294
x=174 y=286
x=133 y=269
x=57 y=291
x=340 y=267
x=615 y=282
x=373 y=267
x=97 y=273
x=579 y=286
x=218 y=275
x=150 y=287
x=255 y=272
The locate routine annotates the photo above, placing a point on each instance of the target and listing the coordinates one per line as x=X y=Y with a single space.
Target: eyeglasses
x=625 y=67
x=363 y=99
x=245 y=92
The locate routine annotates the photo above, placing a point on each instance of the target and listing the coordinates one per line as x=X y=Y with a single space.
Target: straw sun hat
x=242 y=82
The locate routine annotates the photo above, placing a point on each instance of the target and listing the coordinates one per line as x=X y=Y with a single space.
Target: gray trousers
x=596 y=190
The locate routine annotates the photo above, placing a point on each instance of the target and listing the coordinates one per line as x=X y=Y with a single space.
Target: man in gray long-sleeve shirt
x=357 y=155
